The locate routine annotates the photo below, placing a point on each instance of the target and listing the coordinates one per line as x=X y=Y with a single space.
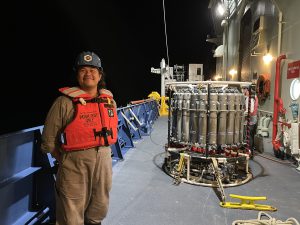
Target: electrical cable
x=166 y=36
x=154 y=142
x=288 y=163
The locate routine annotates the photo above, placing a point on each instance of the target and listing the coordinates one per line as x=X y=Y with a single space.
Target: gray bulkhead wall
x=290 y=45
x=233 y=39
x=270 y=40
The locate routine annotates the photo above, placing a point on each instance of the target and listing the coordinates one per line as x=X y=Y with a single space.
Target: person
x=78 y=131
x=252 y=119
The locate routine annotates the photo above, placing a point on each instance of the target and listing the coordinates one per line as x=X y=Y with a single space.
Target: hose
x=269 y=221
x=274 y=160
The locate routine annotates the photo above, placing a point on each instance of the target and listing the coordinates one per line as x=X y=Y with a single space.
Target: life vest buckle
x=103 y=133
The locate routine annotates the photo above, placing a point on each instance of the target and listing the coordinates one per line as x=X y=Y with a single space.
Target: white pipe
x=183 y=85
x=260 y=110
x=279 y=32
x=279 y=27
x=163 y=70
x=224 y=59
x=206 y=82
x=127 y=120
x=162 y=85
x=137 y=120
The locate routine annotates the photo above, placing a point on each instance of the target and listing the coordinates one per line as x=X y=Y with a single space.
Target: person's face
x=245 y=92
x=88 y=77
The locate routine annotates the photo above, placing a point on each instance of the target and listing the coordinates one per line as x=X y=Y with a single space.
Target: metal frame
x=135 y=121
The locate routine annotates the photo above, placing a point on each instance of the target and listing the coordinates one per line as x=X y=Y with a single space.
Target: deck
x=142 y=194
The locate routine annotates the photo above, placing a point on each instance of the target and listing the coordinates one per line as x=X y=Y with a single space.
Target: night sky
x=42 y=39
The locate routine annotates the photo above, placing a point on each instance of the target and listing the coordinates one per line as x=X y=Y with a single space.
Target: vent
x=258 y=40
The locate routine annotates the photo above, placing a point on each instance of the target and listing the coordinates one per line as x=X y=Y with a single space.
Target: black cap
x=88 y=59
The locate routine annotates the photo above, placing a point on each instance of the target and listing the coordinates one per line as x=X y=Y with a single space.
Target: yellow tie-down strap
x=247 y=202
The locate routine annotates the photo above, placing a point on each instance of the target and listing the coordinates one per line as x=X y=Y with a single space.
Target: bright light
x=267 y=58
x=220 y=10
x=232 y=72
x=217 y=77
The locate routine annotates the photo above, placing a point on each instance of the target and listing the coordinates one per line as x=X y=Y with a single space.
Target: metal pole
x=183 y=83
x=207 y=123
x=169 y=116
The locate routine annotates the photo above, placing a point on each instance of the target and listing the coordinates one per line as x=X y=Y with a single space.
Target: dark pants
x=252 y=132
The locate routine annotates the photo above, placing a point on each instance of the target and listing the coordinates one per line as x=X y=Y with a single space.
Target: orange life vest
x=95 y=121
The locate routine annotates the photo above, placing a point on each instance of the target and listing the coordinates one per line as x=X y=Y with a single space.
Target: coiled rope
x=269 y=221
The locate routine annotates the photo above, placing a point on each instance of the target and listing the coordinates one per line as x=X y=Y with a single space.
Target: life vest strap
x=103 y=133
x=95 y=100
x=108 y=102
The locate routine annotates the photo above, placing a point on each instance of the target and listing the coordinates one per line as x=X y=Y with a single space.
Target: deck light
x=267 y=58
x=221 y=10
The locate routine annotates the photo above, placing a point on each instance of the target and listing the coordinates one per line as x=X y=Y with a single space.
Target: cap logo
x=87 y=58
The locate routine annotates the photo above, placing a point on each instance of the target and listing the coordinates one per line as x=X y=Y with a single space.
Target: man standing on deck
x=252 y=116
x=79 y=129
